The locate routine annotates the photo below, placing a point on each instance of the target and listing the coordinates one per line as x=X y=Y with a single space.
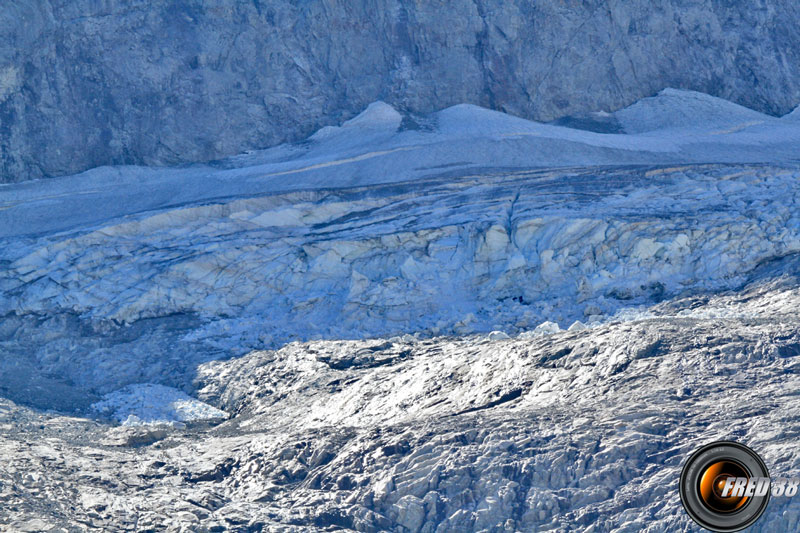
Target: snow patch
x=150 y=404
x=681 y=109
x=377 y=117
x=498 y=336
x=794 y=115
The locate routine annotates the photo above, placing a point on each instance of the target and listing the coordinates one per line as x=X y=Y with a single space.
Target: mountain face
x=85 y=84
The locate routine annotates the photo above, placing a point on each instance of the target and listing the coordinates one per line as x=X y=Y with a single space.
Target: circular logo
x=724 y=486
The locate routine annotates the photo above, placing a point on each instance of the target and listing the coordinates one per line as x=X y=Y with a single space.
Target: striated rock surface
x=85 y=84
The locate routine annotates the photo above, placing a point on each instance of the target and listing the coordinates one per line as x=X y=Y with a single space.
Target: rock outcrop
x=85 y=84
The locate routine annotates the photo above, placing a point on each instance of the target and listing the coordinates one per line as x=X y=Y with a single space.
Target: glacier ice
x=145 y=403
x=480 y=252
x=482 y=324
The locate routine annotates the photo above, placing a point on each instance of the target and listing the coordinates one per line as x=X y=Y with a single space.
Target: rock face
x=84 y=84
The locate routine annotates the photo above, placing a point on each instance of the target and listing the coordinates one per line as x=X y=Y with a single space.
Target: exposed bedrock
x=90 y=83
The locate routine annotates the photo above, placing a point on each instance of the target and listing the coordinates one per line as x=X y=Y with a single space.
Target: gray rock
x=134 y=436
x=84 y=84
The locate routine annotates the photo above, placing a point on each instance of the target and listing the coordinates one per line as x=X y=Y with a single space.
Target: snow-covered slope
x=687 y=110
x=379 y=147
x=460 y=321
x=794 y=115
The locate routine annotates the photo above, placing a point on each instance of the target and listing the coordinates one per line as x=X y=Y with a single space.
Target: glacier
x=459 y=321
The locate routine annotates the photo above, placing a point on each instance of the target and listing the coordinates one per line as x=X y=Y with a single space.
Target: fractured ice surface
x=489 y=250
x=429 y=329
x=145 y=403
x=571 y=431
